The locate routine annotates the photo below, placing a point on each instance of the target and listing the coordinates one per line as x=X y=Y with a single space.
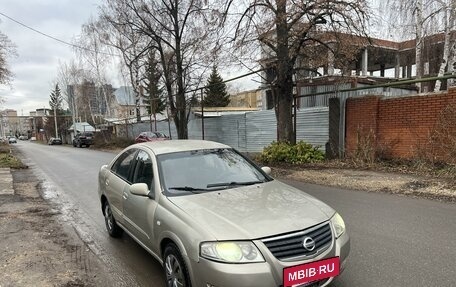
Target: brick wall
x=401 y=126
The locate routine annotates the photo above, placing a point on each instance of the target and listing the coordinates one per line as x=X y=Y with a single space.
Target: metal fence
x=250 y=131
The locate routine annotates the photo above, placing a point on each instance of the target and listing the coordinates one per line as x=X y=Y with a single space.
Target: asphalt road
x=396 y=241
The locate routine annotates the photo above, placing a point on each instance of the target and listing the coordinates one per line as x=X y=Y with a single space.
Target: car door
x=118 y=181
x=139 y=211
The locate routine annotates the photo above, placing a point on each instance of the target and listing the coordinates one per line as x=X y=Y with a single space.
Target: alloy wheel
x=108 y=217
x=174 y=273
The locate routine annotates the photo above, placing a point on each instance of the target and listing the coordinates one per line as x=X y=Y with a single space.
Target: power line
x=54 y=38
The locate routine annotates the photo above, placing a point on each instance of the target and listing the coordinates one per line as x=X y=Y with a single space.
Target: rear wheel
x=175 y=270
x=113 y=229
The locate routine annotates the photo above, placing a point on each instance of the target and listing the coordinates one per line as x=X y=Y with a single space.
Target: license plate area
x=299 y=275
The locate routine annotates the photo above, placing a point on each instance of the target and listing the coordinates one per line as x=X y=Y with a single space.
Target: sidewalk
x=373 y=181
x=37 y=249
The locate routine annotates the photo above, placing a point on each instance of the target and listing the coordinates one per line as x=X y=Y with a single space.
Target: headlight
x=339 y=224
x=231 y=251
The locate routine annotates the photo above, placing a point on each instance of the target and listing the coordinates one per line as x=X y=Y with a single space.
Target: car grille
x=290 y=246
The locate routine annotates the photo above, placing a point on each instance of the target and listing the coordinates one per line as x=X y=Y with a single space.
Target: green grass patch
x=8 y=160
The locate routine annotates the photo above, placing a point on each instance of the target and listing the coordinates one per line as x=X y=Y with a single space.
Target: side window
x=122 y=165
x=143 y=171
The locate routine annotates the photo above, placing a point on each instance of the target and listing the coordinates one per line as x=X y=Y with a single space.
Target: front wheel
x=175 y=270
x=113 y=229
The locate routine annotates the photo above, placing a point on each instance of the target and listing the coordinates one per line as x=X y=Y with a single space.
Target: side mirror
x=140 y=189
x=267 y=170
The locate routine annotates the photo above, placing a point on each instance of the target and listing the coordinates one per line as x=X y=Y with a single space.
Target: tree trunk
x=451 y=64
x=419 y=39
x=182 y=131
x=284 y=78
x=446 y=49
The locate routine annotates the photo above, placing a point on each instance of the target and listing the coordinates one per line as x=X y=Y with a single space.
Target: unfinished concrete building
x=358 y=62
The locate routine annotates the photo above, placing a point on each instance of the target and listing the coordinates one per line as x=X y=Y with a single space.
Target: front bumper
x=206 y=273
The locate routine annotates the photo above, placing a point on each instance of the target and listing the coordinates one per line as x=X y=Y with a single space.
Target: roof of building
x=159 y=117
x=210 y=112
x=82 y=127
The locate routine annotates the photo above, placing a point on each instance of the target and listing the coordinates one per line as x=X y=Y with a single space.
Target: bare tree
x=70 y=76
x=448 y=8
x=416 y=19
x=133 y=48
x=96 y=56
x=284 y=28
x=7 y=49
x=180 y=32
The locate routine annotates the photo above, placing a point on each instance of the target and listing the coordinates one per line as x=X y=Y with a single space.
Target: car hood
x=253 y=212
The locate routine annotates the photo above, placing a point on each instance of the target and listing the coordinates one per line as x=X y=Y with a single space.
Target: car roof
x=162 y=147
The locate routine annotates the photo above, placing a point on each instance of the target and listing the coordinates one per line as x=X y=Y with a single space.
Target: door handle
x=107 y=182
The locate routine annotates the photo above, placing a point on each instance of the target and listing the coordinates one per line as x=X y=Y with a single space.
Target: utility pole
x=2 y=129
x=202 y=114
x=55 y=121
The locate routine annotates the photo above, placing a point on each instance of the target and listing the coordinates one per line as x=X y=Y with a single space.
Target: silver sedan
x=213 y=218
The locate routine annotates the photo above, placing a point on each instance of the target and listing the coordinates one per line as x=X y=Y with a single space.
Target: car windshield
x=206 y=170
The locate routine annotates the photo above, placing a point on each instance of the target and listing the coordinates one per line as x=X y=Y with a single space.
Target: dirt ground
x=373 y=181
x=35 y=248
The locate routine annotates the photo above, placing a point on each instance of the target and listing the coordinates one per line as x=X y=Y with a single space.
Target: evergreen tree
x=215 y=91
x=154 y=99
x=56 y=99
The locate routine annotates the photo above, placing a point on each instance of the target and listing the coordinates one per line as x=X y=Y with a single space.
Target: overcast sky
x=35 y=67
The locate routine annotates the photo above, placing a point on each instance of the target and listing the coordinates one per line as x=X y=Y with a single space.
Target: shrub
x=282 y=152
x=4 y=148
x=113 y=142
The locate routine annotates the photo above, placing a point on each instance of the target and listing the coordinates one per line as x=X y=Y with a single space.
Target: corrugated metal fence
x=251 y=131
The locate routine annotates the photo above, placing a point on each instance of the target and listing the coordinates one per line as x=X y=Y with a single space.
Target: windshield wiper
x=188 y=188
x=234 y=183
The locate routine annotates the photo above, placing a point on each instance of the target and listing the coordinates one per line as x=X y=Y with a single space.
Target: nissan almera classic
x=213 y=218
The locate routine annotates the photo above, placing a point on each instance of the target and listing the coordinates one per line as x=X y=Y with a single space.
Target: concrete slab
x=6 y=182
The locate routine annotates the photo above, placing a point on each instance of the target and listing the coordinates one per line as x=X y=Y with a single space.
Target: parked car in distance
x=83 y=139
x=33 y=139
x=53 y=141
x=12 y=140
x=23 y=138
x=151 y=136
x=211 y=217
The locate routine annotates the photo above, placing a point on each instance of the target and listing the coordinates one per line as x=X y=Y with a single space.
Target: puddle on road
x=48 y=191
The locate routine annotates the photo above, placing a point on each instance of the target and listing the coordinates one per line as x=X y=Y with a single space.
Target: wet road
x=396 y=241
x=70 y=181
